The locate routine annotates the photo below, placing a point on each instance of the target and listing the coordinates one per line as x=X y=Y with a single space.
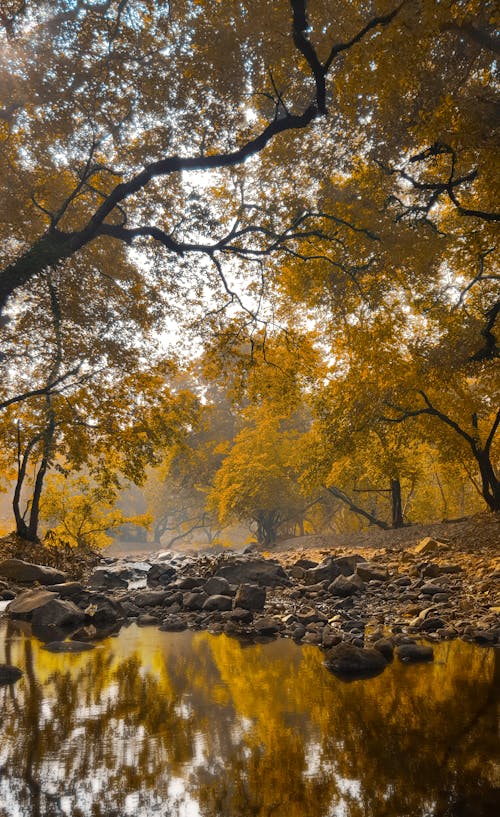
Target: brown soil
x=472 y=535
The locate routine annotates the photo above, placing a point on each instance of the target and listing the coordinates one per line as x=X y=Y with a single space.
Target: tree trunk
x=489 y=482
x=397 y=509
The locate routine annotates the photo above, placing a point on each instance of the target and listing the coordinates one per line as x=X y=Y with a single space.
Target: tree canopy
x=301 y=193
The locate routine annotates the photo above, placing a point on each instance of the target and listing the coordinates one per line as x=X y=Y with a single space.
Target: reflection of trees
x=262 y=731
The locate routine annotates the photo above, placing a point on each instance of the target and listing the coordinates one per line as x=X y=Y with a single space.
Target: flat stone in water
x=68 y=646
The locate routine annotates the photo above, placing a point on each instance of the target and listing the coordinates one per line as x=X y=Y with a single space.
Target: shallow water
x=194 y=725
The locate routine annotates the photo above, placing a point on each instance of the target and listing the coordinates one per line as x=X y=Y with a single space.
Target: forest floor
x=475 y=536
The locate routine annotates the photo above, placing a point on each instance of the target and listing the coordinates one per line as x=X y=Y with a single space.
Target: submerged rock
x=68 y=646
x=349 y=661
x=413 y=653
x=9 y=674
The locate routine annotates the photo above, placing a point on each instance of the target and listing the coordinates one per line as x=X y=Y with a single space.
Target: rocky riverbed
x=361 y=605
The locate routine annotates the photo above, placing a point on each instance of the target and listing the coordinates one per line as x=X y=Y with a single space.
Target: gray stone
x=264 y=572
x=238 y=614
x=160 y=575
x=214 y=603
x=9 y=674
x=25 y=603
x=342 y=586
x=20 y=571
x=150 y=598
x=58 y=613
x=386 y=647
x=103 y=610
x=108 y=579
x=266 y=626
x=370 y=571
x=194 y=601
x=250 y=597
x=217 y=586
x=351 y=661
x=67 y=589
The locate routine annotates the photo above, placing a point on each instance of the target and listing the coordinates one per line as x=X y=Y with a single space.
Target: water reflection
x=193 y=725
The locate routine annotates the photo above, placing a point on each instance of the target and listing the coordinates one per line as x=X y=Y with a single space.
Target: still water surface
x=192 y=725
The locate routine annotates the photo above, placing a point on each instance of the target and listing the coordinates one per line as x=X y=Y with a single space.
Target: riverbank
x=358 y=598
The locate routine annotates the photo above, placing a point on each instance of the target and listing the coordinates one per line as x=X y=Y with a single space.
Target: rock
x=431 y=589
x=68 y=646
x=350 y=661
x=108 y=579
x=266 y=626
x=147 y=620
x=173 y=625
x=25 y=603
x=309 y=615
x=370 y=571
x=342 y=586
x=67 y=589
x=20 y=571
x=58 y=613
x=298 y=632
x=217 y=586
x=431 y=624
x=331 y=637
x=264 y=572
x=429 y=545
x=160 y=575
x=250 y=597
x=412 y=653
x=213 y=603
x=238 y=614
x=386 y=647
x=9 y=674
x=188 y=583
x=194 y=601
x=330 y=568
x=150 y=598
x=103 y=610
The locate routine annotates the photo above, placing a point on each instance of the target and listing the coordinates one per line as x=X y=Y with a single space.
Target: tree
x=131 y=93
x=79 y=512
x=258 y=481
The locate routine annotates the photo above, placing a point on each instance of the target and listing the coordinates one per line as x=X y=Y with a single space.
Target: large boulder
x=27 y=602
x=58 y=613
x=348 y=661
x=20 y=571
x=9 y=674
x=264 y=572
x=150 y=598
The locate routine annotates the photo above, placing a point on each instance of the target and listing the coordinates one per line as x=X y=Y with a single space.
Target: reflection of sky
x=193 y=725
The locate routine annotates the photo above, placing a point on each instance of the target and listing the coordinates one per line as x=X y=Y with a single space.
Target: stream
x=195 y=725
